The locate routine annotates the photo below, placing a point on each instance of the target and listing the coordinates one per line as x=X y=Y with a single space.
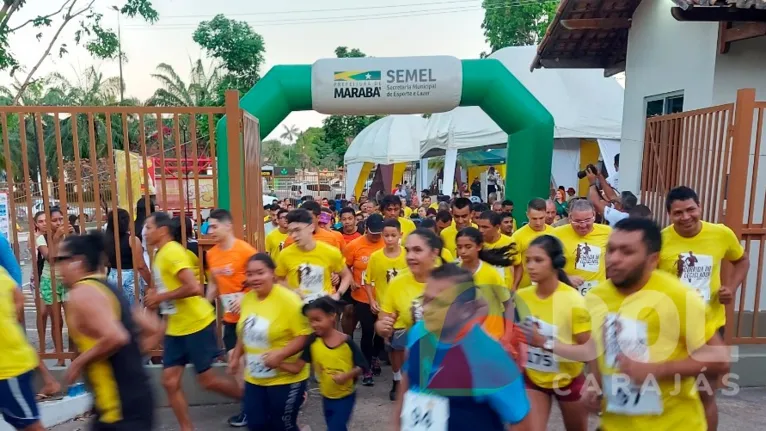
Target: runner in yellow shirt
x=552 y=310
x=384 y=265
x=461 y=215
x=271 y=331
x=390 y=208
x=275 y=240
x=524 y=237
x=693 y=251
x=584 y=246
x=308 y=266
x=487 y=266
x=445 y=254
x=652 y=344
x=190 y=335
x=402 y=305
x=489 y=226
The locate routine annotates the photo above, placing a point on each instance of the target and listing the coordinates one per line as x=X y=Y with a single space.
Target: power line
x=351 y=18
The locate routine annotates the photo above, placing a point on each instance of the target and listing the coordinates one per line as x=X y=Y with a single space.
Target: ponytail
x=502 y=256
x=564 y=278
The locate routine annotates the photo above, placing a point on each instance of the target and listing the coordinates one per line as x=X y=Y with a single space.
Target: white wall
x=664 y=56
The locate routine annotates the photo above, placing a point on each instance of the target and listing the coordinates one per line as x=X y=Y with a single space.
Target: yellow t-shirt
x=328 y=362
x=449 y=235
x=492 y=287
x=381 y=269
x=405 y=298
x=562 y=315
x=697 y=261
x=659 y=323
x=407 y=212
x=271 y=324
x=309 y=272
x=505 y=272
x=585 y=254
x=187 y=315
x=275 y=242
x=523 y=237
x=18 y=356
x=446 y=256
x=407 y=227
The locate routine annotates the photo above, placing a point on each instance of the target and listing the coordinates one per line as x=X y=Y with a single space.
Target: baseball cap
x=374 y=224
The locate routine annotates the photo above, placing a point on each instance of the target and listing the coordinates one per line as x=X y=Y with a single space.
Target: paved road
x=741 y=412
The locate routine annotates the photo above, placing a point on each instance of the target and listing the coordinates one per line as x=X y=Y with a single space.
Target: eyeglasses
x=582 y=222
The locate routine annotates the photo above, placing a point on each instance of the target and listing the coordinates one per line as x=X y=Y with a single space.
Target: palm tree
x=290 y=134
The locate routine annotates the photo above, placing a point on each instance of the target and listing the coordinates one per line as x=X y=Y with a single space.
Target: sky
x=294 y=31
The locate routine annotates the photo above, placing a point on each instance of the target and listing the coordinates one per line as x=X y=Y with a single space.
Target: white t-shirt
x=614 y=180
x=612 y=216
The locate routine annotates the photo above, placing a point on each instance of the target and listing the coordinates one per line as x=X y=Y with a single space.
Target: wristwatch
x=548 y=345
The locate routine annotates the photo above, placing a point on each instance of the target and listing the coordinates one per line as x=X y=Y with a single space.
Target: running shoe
x=367 y=380
x=238 y=421
x=394 y=390
x=375 y=367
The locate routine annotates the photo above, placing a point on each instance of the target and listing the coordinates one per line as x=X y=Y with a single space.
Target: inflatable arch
x=409 y=85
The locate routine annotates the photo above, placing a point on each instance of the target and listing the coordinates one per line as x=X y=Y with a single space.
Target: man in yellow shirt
x=651 y=345
x=391 y=207
x=584 y=246
x=461 y=214
x=489 y=226
x=693 y=251
x=275 y=240
x=190 y=335
x=524 y=237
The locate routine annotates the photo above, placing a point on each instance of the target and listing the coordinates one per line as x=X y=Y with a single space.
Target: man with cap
x=357 y=254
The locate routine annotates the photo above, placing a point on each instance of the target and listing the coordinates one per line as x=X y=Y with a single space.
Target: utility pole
x=119 y=44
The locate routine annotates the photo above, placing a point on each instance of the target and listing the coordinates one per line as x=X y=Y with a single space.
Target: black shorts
x=229 y=336
x=347 y=298
x=199 y=349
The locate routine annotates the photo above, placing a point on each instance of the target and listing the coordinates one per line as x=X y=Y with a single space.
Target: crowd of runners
x=484 y=325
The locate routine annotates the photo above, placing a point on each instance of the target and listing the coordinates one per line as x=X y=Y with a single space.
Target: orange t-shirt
x=348 y=238
x=357 y=255
x=228 y=270
x=324 y=236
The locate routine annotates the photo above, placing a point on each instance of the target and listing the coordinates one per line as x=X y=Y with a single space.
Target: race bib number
x=586 y=286
x=257 y=368
x=167 y=308
x=424 y=412
x=626 y=398
x=541 y=360
x=695 y=270
x=311 y=280
x=229 y=299
x=624 y=336
x=587 y=257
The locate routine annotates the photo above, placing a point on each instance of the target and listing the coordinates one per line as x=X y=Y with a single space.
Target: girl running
x=554 y=317
x=402 y=305
x=483 y=264
x=337 y=362
x=271 y=331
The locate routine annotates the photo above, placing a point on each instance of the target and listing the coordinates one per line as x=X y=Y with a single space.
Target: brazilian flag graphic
x=358 y=75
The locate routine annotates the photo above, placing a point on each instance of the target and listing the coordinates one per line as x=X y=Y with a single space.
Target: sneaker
x=375 y=367
x=367 y=380
x=394 y=390
x=238 y=421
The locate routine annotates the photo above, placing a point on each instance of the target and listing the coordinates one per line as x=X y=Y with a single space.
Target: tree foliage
x=238 y=48
x=339 y=130
x=97 y=38
x=510 y=23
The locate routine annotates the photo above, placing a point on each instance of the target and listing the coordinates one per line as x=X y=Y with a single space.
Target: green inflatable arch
x=486 y=83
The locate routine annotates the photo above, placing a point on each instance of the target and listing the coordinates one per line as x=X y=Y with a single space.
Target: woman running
x=109 y=335
x=402 y=305
x=271 y=331
x=554 y=317
x=483 y=264
x=337 y=362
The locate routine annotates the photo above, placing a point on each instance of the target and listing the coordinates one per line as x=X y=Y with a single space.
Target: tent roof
x=583 y=103
x=392 y=139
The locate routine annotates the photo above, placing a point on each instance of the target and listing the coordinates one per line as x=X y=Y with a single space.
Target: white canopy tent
x=584 y=105
x=390 y=140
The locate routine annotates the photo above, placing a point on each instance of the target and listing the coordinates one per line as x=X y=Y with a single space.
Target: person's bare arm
x=189 y=287
x=293 y=367
x=212 y=290
x=150 y=326
x=18 y=302
x=138 y=260
x=345 y=281
x=274 y=358
x=609 y=193
x=518 y=273
x=595 y=198
x=235 y=357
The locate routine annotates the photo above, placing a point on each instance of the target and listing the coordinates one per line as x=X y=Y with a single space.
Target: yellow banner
x=127 y=195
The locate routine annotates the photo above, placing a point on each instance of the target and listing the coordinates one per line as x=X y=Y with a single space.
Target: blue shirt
x=8 y=260
x=482 y=383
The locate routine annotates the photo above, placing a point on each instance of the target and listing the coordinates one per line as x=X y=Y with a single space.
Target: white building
x=670 y=65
